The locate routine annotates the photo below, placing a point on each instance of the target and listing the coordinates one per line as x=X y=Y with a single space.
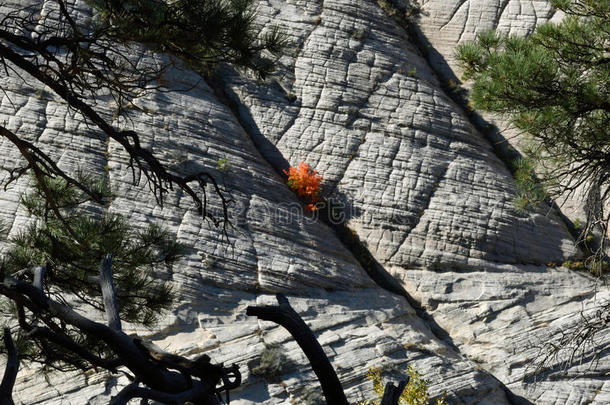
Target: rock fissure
x=455 y=10
x=501 y=10
x=427 y=201
x=351 y=241
x=405 y=132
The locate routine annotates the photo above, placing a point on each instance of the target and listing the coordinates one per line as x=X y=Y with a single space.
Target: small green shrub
x=531 y=191
x=224 y=165
x=311 y=396
x=416 y=392
x=358 y=34
x=577 y=224
x=271 y=362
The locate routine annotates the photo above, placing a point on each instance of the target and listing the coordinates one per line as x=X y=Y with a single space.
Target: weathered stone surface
x=428 y=196
x=501 y=317
x=441 y=26
x=425 y=192
x=424 y=188
x=444 y=24
x=272 y=249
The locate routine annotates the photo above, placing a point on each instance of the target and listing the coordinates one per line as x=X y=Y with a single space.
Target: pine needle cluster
x=71 y=248
x=202 y=33
x=555 y=86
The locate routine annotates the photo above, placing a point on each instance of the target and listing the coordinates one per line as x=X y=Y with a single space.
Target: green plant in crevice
x=358 y=34
x=271 y=363
x=415 y=393
x=202 y=33
x=530 y=191
x=224 y=165
x=403 y=13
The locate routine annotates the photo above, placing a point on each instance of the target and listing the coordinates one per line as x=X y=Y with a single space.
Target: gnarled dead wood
x=287 y=317
x=10 y=371
x=391 y=394
x=107 y=285
x=159 y=375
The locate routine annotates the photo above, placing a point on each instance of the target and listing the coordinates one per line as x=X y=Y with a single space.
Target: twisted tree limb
x=10 y=371
x=61 y=82
x=284 y=315
x=159 y=376
x=287 y=317
x=133 y=390
x=69 y=344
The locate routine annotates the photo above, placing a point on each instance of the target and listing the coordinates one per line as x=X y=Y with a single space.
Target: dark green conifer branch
x=555 y=87
x=73 y=263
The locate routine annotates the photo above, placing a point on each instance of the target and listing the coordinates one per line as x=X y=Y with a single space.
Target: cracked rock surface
x=445 y=24
x=442 y=25
x=424 y=191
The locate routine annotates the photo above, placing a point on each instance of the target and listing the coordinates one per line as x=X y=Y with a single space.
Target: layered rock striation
x=358 y=100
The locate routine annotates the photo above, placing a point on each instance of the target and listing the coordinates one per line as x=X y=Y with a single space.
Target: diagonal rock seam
x=469 y=283
x=348 y=238
x=373 y=268
x=481 y=126
x=499 y=144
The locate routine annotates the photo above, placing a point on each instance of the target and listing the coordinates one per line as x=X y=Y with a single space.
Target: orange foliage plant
x=306 y=183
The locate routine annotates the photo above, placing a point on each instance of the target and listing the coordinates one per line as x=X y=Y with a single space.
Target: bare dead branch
x=39 y=174
x=39 y=273
x=580 y=343
x=47 y=165
x=10 y=371
x=391 y=394
x=120 y=343
x=80 y=63
x=287 y=317
x=193 y=380
x=67 y=343
x=107 y=285
x=201 y=393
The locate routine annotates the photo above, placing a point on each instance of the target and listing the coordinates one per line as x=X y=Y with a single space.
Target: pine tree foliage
x=72 y=259
x=83 y=61
x=201 y=32
x=555 y=86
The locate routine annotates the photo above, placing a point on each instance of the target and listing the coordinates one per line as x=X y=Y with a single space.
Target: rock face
x=444 y=24
x=424 y=192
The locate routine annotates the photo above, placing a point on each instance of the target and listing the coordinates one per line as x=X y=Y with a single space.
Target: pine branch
x=63 y=340
x=120 y=343
x=160 y=180
x=150 y=365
